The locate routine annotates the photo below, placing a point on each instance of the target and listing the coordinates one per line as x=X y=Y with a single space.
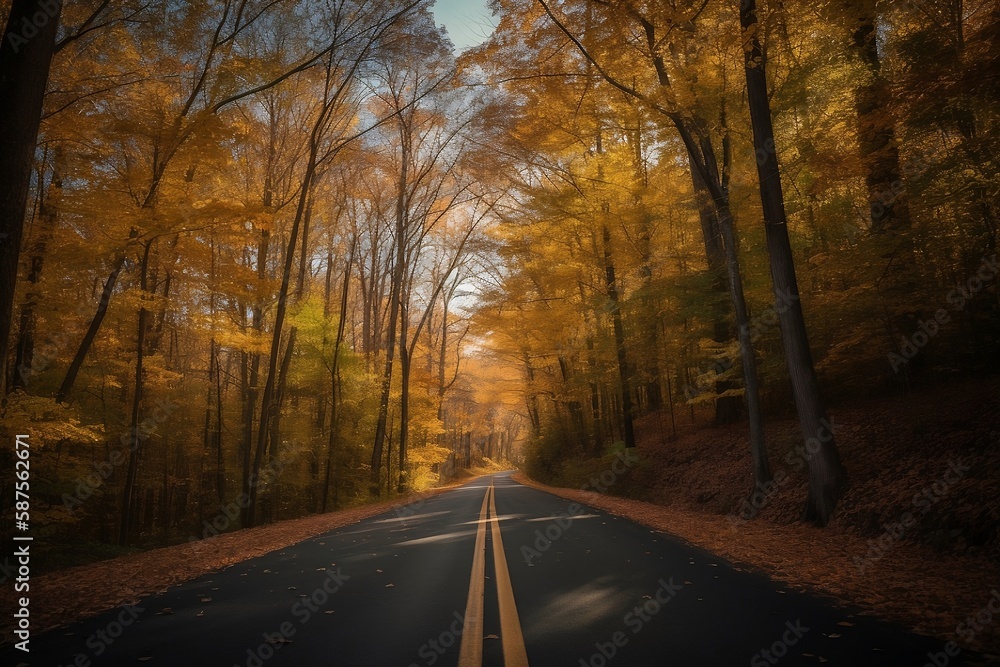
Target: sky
x=468 y=21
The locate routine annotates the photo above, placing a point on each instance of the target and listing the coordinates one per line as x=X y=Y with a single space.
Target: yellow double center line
x=471 y=649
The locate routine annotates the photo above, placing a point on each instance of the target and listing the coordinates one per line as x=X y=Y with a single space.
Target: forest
x=270 y=258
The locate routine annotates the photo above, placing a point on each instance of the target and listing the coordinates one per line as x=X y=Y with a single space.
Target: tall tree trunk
x=888 y=205
x=304 y=258
x=335 y=396
x=624 y=369
x=532 y=397
x=268 y=403
x=25 y=56
x=47 y=217
x=220 y=460
x=727 y=408
x=286 y=362
x=274 y=436
x=394 y=298
x=827 y=477
x=207 y=439
x=443 y=359
x=95 y=325
x=755 y=409
x=404 y=407
x=213 y=435
x=250 y=377
x=136 y=439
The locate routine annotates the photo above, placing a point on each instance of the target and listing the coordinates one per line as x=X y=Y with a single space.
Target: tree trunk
x=532 y=397
x=304 y=258
x=220 y=462
x=286 y=362
x=624 y=370
x=268 y=403
x=394 y=297
x=827 y=477
x=888 y=205
x=755 y=410
x=207 y=440
x=47 y=218
x=335 y=371
x=136 y=439
x=88 y=338
x=727 y=408
x=442 y=361
x=250 y=380
x=25 y=56
x=404 y=408
x=274 y=436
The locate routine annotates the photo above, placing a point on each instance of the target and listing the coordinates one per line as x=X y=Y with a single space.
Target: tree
x=25 y=56
x=697 y=141
x=827 y=476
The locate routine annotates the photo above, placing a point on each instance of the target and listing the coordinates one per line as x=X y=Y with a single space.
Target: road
x=441 y=582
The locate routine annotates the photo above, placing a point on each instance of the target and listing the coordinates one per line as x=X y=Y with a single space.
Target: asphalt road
x=582 y=588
